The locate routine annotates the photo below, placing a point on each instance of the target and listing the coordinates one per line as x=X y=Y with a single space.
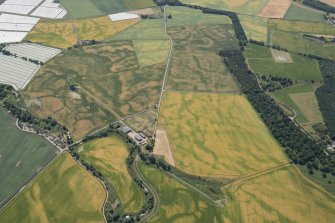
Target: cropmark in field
x=64 y=192
x=178 y=203
x=109 y=156
x=279 y=196
x=118 y=86
x=217 y=135
x=196 y=64
x=66 y=33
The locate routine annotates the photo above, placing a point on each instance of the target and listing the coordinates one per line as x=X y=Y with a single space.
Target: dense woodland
x=326 y=96
x=319 y=5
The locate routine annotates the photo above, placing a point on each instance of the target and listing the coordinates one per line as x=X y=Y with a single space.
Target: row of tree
x=326 y=95
x=300 y=147
x=319 y=5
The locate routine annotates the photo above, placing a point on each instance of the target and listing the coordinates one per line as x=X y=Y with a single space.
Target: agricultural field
x=289 y=34
x=109 y=156
x=151 y=52
x=275 y=9
x=64 y=192
x=329 y=2
x=118 y=85
x=263 y=62
x=138 y=4
x=178 y=203
x=50 y=9
x=87 y=8
x=16 y=71
x=195 y=64
x=255 y=27
x=144 y=122
x=284 y=195
x=303 y=13
x=249 y=7
x=182 y=16
x=148 y=29
x=110 y=6
x=301 y=98
x=217 y=135
x=22 y=156
x=66 y=33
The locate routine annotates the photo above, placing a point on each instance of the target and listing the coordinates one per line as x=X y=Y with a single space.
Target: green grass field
x=22 y=156
x=110 y=6
x=138 y=4
x=250 y=7
x=261 y=61
x=109 y=156
x=302 y=99
x=281 y=196
x=217 y=135
x=178 y=203
x=64 y=192
x=255 y=27
x=288 y=34
x=303 y=13
x=182 y=16
x=87 y=8
x=196 y=64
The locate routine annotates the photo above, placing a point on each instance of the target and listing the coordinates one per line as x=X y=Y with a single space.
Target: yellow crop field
x=65 y=33
x=109 y=156
x=255 y=27
x=284 y=196
x=65 y=192
x=218 y=135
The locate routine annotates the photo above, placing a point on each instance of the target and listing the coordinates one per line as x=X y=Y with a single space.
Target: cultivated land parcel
x=217 y=135
x=65 y=192
x=22 y=156
x=109 y=156
x=227 y=166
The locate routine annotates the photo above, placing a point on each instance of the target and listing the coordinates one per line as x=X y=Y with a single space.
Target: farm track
x=150 y=188
x=166 y=71
x=255 y=175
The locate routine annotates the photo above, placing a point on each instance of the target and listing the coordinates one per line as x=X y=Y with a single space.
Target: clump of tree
x=272 y=83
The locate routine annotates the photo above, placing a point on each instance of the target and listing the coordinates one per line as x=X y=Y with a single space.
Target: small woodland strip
x=319 y=5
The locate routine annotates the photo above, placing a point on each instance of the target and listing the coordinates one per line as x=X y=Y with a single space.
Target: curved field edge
x=177 y=203
x=65 y=191
x=109 y=156
x=280 y=196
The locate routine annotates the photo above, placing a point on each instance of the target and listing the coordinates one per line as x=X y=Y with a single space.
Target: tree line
x=319 y=5
x=326 y=95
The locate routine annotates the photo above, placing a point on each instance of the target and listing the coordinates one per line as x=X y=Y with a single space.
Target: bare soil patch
x=281 y=56
x=275 y=9
x=162 y=146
